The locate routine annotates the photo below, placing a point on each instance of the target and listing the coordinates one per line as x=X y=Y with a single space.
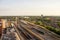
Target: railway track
x=47 y=31
x=36 y=30
x=26 y=34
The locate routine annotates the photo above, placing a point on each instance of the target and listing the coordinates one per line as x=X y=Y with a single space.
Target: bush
x=38 y=23
x=58 y=23
x=55 y=30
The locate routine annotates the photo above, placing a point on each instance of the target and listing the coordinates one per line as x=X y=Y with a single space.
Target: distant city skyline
x=29 y=7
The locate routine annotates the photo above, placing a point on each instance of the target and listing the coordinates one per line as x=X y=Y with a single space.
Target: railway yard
x=25 y=30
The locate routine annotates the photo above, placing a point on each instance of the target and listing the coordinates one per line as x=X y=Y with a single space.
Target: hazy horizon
x=29 y=7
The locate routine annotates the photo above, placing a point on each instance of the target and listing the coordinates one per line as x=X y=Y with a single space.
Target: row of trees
x=55 y=30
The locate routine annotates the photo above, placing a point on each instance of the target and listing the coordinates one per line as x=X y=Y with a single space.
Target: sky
x=29 y=7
